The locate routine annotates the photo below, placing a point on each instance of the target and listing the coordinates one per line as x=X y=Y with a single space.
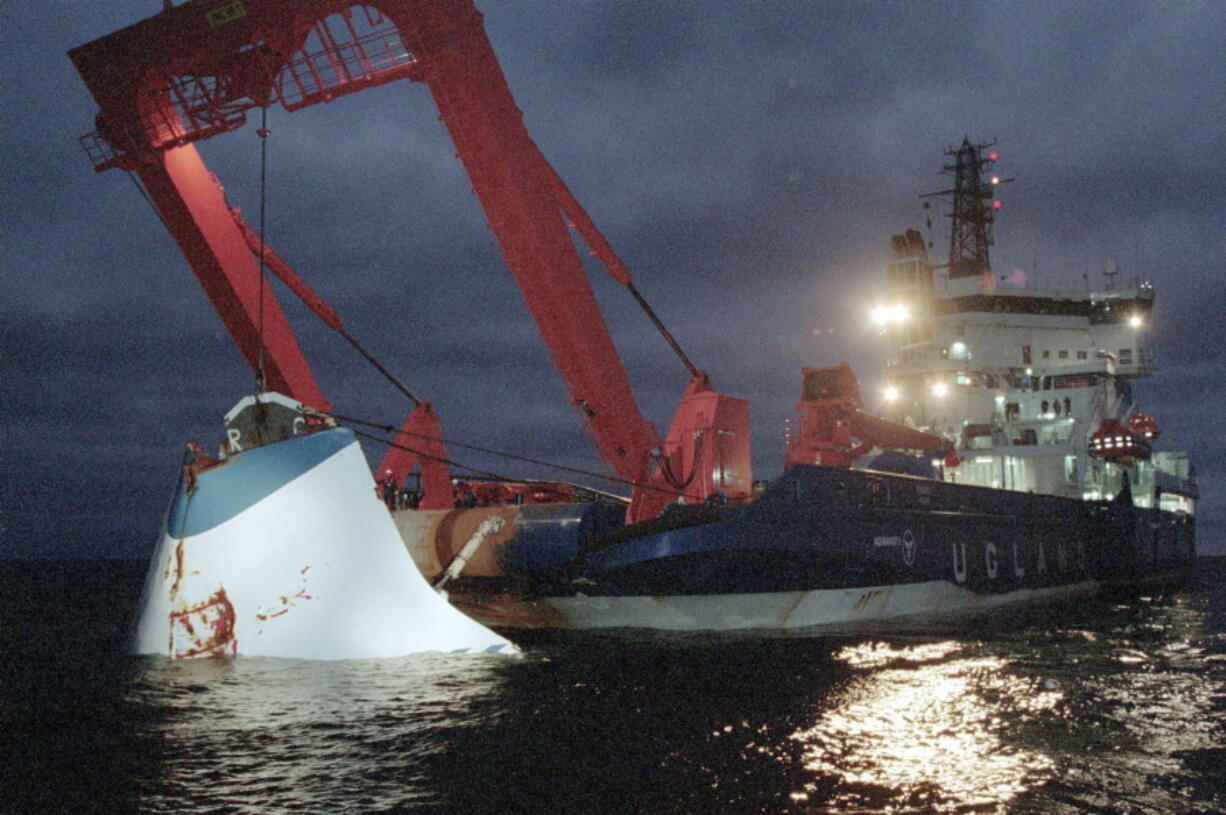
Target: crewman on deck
x=387 y=487
x=408 y=498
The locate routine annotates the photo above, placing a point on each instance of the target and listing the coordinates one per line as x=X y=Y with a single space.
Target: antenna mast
x=970 y=232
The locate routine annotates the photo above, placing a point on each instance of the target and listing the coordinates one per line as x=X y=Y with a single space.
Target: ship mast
x=970 y=232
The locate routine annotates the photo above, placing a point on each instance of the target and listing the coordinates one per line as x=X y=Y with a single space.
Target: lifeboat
x=1144 y=426
x=1115 y=443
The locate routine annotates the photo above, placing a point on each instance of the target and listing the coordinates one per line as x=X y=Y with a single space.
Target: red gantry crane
x=196 y=70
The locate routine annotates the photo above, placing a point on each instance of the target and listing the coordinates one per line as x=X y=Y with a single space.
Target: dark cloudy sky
x=748 y=160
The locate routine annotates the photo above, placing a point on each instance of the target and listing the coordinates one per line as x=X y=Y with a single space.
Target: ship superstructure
x=1036 y=386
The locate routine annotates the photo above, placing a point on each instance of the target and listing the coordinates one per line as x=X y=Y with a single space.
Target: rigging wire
x=678 y=487
x=263 y=134
x=460 y=465
x=668 y=337
x=581 y=222
x=379 y=366
x=314 y=302
x=486 y=473
x=447 y=461
x=387 y=428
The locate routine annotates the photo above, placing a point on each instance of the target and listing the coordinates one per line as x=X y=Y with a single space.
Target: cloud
x=748 y=161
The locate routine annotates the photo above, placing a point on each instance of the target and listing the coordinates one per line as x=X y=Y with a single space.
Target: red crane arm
x=514 y=187
x=194 y=210
x=420 y=445
x=287 y=275
x=579 y=218
x=194 y=70
x=833 y=431
x=884 y=433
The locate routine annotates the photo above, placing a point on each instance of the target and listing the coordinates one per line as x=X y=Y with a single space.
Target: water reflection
x=920 y=728
x=275 y=735
x=1117 y=709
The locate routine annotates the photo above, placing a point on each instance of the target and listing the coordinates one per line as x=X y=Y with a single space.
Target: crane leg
x=420 y=443
x=193 y=207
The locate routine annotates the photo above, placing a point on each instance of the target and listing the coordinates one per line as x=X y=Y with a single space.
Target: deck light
x=939 y=389
x=1135 y=321
x=888 y=315
x=891 y=393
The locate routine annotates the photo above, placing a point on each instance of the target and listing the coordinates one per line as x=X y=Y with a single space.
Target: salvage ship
x=1011 y=468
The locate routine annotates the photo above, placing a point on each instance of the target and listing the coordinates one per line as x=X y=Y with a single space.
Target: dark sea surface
x=1104 y=707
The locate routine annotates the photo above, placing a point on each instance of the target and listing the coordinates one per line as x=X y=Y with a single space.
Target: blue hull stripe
x=818 y=528
x=247 y=478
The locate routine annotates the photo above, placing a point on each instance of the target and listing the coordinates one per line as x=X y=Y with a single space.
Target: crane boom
x=195 y=70
x=834 y=431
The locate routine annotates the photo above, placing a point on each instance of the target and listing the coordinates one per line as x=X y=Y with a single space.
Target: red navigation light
x=993 y=156
x=996 y=205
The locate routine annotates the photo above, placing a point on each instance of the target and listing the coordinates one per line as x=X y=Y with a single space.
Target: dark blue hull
x=822 y=537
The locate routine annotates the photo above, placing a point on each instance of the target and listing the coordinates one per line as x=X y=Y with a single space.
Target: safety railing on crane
x=344 y=53
x=161 y=126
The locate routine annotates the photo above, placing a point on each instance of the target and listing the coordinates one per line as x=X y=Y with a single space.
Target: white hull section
x=313 y=570
x=914 y=606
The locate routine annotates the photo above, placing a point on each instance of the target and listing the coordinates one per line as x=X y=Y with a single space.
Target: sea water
x=1114 y=706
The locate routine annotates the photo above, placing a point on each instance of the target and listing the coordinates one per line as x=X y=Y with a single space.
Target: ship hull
x=285 y=551
x=822 y=551
x=930 y=607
